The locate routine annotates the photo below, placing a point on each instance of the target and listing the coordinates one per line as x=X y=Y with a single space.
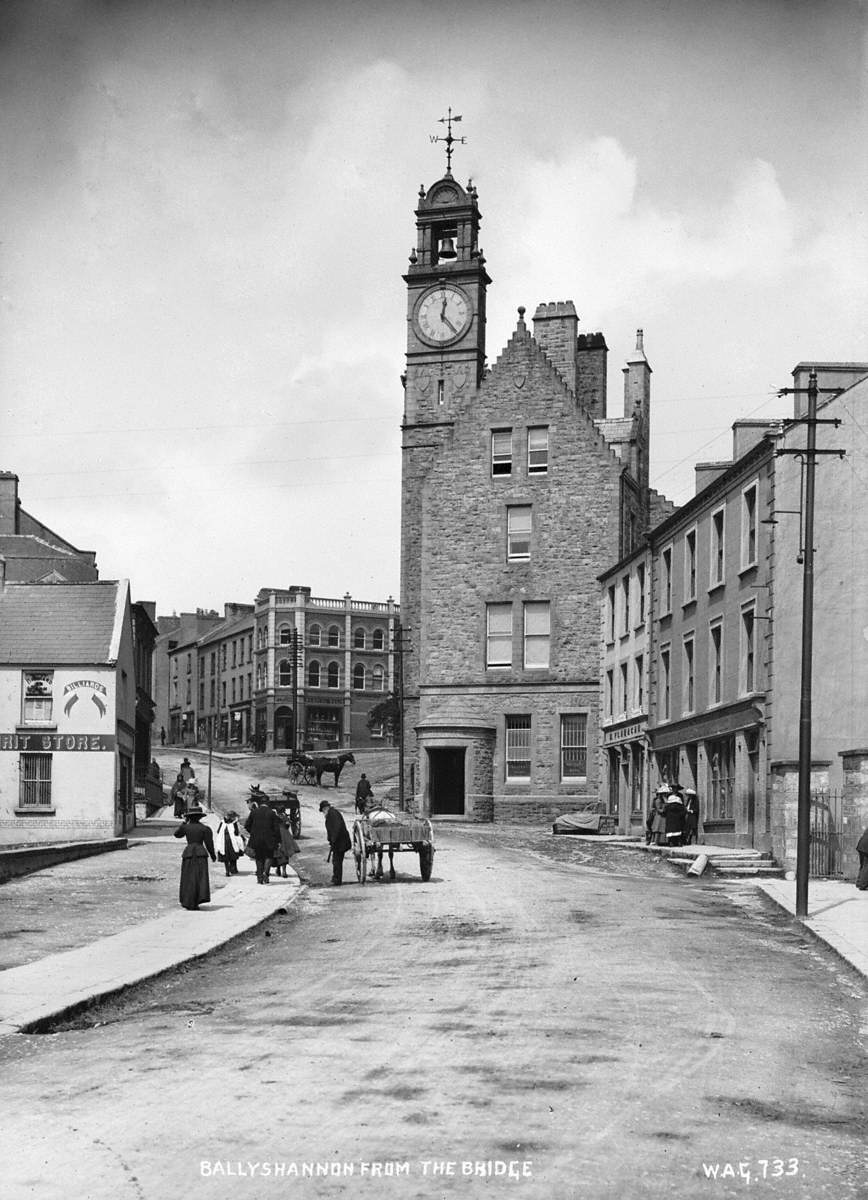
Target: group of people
x=185 y=791
x=268 y=841
x=673 y=819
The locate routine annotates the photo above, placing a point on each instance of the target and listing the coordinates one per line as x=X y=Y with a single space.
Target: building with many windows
x=518 y=489
x=701 y=680
x=289 y=671
x=321 y=666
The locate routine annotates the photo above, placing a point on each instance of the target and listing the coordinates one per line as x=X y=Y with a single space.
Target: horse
x=331 y=766
x=377 y=815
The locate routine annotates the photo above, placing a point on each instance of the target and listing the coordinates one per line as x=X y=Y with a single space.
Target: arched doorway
x=283 y=728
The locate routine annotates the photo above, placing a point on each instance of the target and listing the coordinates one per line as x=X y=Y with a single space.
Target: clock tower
x=446 y=283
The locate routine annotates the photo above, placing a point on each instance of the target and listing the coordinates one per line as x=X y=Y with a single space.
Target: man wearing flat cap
x=339 y=840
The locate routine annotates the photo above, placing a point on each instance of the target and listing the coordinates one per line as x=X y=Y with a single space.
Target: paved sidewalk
x=837 y=915
x=116 y=938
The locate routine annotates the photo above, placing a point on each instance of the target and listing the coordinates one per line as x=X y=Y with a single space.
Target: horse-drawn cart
x=381 y=831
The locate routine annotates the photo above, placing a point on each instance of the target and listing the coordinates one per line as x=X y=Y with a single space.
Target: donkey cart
x=381 y=831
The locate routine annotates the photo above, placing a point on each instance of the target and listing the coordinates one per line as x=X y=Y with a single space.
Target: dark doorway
x=283 y=728
x=446 y=775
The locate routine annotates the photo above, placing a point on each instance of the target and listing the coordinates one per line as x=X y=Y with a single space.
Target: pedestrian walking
x=287 y=845
x=691 y=816
x=177 y=796
x=186 y=770
x=862 y=850
x=162 y=735
x=657 y=828
x=363 y=793
x=673 y=817
x=229 y=842
x=339 y=840
x=264 y=829
x=195 y=885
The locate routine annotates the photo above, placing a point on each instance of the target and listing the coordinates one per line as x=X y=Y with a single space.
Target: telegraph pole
x=809 y=466
x=399 y=671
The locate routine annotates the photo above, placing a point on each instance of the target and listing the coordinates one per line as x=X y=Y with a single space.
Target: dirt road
x=524 y=1024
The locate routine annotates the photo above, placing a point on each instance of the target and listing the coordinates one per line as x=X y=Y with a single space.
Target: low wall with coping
x=22 y=860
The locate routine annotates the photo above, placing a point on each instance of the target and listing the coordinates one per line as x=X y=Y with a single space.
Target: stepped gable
x=659 y=507
x=522 y=349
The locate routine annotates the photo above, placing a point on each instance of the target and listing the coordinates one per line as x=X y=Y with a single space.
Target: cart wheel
x=310 y=776
x=296 y=772
x=359 y=854
x=426 y=861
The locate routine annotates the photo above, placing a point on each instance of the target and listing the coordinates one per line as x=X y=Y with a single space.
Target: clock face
x=443 y=315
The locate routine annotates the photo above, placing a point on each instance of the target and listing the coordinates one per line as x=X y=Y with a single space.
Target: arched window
x=377 y=678
x=333 y=675
x=334 y=635
x=313 y=674
x=377 y=641
x=284 y=635
x=314 y=635
x=359 y=677
x=284 y=673
x=359 y=639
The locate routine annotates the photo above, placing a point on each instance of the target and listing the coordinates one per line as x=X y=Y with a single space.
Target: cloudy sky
x=206 y=209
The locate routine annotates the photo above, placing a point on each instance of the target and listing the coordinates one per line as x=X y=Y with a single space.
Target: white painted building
x=67 y=711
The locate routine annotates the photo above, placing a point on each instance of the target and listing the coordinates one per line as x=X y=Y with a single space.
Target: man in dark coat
x=363 y=792
x=339 y=840
x=263 y=825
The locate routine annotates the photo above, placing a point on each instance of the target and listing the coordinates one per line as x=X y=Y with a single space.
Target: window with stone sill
x=501 y=452
x=518 y=731
x=34 y=781
x=537 y=450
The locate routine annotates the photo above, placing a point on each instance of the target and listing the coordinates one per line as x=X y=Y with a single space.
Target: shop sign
x=57 y=741
x=626 y=734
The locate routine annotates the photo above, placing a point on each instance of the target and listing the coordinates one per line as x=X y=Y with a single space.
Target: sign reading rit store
x=56 y=741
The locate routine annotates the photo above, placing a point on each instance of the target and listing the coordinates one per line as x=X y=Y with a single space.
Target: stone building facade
x=518 y=490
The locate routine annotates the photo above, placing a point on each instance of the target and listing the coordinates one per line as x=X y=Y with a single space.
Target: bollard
x=699 y=865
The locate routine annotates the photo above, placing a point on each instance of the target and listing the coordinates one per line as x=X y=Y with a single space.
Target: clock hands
x=443 y=316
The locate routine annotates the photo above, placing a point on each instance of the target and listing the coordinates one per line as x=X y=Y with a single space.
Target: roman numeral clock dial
x=443 y=315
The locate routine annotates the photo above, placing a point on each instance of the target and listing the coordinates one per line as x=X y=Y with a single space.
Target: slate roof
x=54 y=624
x=30 y=559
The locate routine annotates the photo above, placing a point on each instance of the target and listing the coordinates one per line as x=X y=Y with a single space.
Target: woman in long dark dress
x=195 y=884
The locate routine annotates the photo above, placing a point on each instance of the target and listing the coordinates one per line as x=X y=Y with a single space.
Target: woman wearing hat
x=195 y=884
x=656 y=824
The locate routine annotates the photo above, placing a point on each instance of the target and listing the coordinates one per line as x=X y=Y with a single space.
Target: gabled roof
x=61 y=623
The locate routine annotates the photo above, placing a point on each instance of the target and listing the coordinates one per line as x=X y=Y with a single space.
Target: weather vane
x=449 y=139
